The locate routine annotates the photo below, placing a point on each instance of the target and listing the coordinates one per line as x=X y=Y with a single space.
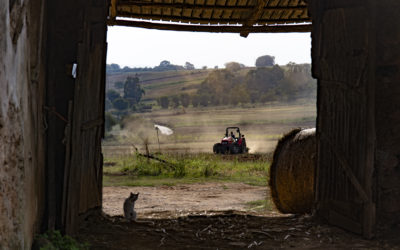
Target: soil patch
x=211 y=216
x=180 y=200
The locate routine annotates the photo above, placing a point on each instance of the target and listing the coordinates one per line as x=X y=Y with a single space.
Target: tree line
x=239 y=85
x=132 y=94
x=236 y=84
x=163 y=66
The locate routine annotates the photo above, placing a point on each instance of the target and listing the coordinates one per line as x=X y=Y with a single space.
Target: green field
x=137 y=170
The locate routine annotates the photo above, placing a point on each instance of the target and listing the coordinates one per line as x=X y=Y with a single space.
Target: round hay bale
x=292 y=172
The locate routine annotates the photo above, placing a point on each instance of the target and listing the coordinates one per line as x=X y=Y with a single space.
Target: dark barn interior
x=52 y=121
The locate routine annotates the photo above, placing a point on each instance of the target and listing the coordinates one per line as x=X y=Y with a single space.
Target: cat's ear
x=132 y=193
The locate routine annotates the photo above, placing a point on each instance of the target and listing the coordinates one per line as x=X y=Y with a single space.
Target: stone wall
x=21 y=123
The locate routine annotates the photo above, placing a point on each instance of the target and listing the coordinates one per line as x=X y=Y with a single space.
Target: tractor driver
x=233 y=136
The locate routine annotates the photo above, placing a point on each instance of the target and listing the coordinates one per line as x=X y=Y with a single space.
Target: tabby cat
x=129 y=207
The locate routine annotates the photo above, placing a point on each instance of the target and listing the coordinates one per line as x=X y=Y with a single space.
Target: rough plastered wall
x=387 y=112
x=21 y=123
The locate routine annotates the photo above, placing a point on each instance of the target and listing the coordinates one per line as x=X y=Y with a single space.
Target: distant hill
x=234 y=85
x=166 y=83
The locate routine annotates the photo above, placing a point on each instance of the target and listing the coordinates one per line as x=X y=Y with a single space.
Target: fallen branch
x=149 y=156
x=154 y=158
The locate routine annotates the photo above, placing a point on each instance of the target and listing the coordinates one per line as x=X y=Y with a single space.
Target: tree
x=110 y=121
x=112 y=95
x=185 y=100
x=264 y=61
x=239 y=95
x=263 y=80
x=127 y=69
x=189 y=66
x=112 y=67
x=164 y=102
x=108 y=105
x=120 y=104
x=133 y=92
x=233 y=66
x=165 y=63
x=119 y=85
x=195 y=100
x=175 y=101
x=218 y=86
x=204 y=98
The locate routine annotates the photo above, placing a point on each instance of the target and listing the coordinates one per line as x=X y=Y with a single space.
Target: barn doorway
x=177 y=175
x=265 y=89
x=147 y=154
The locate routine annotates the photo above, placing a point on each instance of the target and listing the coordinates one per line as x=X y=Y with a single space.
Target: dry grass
x=196 y=130
x=136 y=170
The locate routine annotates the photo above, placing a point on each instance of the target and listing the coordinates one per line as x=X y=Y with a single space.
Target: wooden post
x=158 y=139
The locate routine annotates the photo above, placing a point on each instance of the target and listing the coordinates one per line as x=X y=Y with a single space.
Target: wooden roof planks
x=233 y=16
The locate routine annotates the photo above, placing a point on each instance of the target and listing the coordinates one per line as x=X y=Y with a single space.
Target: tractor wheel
x=244 y=149
x=234 y=149
x=217 y=148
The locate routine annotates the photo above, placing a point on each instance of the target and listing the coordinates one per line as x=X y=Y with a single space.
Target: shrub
x=120 y=104
x=110 y=121
x=55 y=241
x=164 y=102
x=179 y=170
x=112 y=95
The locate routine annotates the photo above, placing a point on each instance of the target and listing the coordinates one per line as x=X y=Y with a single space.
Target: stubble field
x=196 y=130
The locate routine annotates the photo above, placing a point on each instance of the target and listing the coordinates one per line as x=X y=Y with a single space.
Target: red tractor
x=232 y=143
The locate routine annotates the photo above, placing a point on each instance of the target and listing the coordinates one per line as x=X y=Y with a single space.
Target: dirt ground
x=181 y=200
x=211 y=216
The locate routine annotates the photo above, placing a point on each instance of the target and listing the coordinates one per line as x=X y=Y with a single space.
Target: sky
x=138 y=47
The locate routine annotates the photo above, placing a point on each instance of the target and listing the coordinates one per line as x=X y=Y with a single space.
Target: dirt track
x=211 y=216
x=180 y=200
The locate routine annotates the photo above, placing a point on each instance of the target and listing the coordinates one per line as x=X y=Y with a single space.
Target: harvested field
x=196 y=130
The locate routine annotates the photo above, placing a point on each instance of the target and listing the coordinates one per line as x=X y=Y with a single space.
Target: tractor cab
x=233 y=142
x=232 y=134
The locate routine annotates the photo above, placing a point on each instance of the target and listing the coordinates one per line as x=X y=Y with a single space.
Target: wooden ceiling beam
x=208 y=20
x=213 y=28
x=113 y=9
x=204 y=7
x=255 y=15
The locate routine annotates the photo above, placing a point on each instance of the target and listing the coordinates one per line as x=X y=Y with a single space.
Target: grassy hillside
x=167 y=83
